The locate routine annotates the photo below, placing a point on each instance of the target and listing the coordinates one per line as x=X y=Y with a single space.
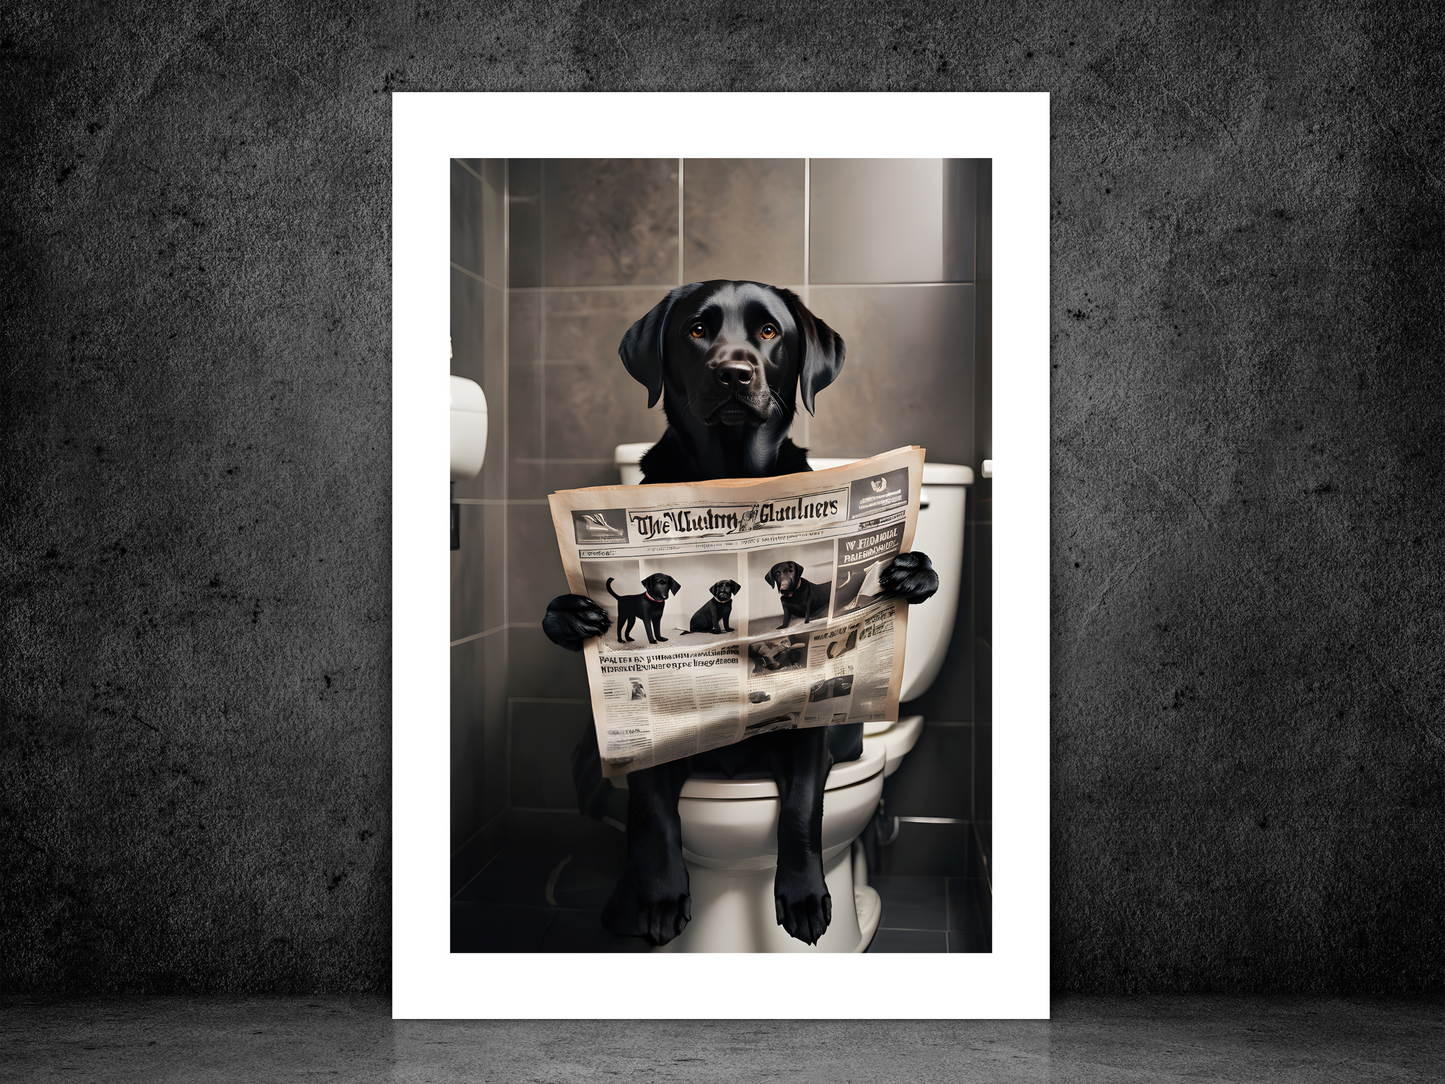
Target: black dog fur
x=714 y=614
x=801 y=598
x=729 y=361
x=645 y=606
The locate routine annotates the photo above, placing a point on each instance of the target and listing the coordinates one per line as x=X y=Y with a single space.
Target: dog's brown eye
x=697 y=331
x=768 y=332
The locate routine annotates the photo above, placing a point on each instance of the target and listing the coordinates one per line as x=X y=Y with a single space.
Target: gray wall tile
x=580 y=475
x=468 y=732
x=908 y=375
x=927 y=850
x=936 y=778
x=536 y=667
x=524 y=396
x=542 y=737
x=743 y=219
x=983 y=245
x=982 y=681
x=478 y=735
x=534 y=573
x=592 y=403
x=524 y=227
x=476 y=588
x=979 y=543
x=960 y=218
x=876 y=220
x=983 y=772
x=494 y=221
x=466 y=218
x=609 y=222
x=494 y=655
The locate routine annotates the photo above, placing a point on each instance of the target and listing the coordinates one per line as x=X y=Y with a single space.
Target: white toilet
x=729 y=826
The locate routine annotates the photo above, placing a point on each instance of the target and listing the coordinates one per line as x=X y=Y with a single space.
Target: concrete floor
x=1200 y=1039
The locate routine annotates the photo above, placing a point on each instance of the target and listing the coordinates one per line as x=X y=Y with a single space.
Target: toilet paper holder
x=469 y=440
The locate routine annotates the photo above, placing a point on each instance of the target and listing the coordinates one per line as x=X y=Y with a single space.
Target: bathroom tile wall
x=478 y=601
x=888 y=253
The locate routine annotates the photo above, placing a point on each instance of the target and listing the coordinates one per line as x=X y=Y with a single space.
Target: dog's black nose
x=734 y=372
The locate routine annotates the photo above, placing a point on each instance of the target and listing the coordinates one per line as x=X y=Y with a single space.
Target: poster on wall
x=626 y=303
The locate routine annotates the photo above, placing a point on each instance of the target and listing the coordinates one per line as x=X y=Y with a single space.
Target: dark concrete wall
x=1247 y=235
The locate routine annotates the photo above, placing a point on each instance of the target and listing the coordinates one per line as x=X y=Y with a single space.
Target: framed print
x=602 y=277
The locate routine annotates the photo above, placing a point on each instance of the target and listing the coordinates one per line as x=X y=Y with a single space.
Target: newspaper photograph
x=741 y=606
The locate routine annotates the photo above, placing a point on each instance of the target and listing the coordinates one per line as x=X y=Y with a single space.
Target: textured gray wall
x=1247 y=229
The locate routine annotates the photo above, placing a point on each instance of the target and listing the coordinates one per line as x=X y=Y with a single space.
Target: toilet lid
x=843 y=775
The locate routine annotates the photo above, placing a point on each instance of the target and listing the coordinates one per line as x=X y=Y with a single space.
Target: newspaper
x=740 y=606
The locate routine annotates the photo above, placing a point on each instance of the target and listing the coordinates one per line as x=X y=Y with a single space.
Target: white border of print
x=428 y=980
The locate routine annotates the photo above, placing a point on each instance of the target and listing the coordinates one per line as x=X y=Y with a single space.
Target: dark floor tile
x=912 y=903
x=970 y=912
x=967 y=942
x=585 y=884
x=512 y=879
x=498 y=927
x=886 y=940
x=581 y=931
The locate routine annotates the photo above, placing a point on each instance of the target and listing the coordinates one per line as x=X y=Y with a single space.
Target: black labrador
x=729 y=361
x=648 y=606
x=714 y=614
x=801 y=598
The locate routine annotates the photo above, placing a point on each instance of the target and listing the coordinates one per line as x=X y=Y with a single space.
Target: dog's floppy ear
x=734 y=586
x=768 y=579
x=799 y=568
x=820 y=346
x=676 y=587
x=643 y=347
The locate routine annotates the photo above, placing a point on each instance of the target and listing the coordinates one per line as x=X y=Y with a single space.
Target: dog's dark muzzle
x=739 y=409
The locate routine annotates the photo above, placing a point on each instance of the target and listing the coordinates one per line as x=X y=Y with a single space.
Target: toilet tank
x=939 y=534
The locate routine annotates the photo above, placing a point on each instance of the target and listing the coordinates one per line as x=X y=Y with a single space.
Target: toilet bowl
x=729 y=826
x=730 y=844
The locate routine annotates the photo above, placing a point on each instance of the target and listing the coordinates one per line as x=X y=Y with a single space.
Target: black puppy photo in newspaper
x=635 y=600
x=792 y=586
x=707 y=607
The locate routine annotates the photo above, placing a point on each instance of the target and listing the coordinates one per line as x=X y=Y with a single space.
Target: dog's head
x=732 y=353
x=659 y=585
x=785 y=576
x=724 y=590
x=771 y=653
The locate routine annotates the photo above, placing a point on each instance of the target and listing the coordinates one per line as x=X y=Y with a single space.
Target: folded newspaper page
x=740 y=606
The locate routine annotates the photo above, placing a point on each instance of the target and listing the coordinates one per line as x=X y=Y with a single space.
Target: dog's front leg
x=651 y=899
x=800 y=763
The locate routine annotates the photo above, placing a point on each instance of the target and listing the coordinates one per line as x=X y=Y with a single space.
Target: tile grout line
x=472 y=274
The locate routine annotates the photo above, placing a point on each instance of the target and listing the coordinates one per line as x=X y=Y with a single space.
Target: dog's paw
x=909 y=576
x=571 y=619
x=659 y=914
x=804 y=905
